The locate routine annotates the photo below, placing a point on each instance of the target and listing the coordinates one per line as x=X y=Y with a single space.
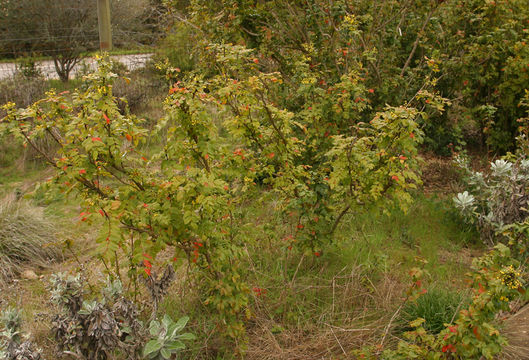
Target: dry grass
x=27 y=238
x=356 y=315
x=322 y=343
x=32 y=296
x=439 y=174
x=21 y=90
x=517 y=332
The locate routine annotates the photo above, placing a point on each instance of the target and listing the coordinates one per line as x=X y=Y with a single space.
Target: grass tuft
x=438 y=307
x=27 y=238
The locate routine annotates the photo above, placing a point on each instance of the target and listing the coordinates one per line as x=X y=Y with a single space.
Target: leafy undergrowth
x=320 y=304
x=303 y=305
x=326 y=304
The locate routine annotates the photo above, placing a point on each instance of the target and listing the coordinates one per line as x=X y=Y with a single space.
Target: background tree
x=61 y=29
x=70 y=29
x=66 y=29
x=137 y=22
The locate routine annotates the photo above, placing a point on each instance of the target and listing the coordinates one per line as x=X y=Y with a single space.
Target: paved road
x=48 y=68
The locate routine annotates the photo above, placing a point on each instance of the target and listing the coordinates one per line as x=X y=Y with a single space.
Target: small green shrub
x=28 y=69
x=437 y=307
x=93 y=329
x=23 y=89
x=26 y=238
x=495 y=198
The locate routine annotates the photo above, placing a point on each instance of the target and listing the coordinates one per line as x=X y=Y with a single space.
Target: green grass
x=14 y=179
x=438 y=306
x=20 y=168
x=428 y=230
x=375 y=246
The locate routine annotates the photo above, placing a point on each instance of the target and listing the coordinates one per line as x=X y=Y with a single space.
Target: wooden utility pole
x=105 y=31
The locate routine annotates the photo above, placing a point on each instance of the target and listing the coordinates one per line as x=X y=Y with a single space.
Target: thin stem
x=339 y=218
x=416 y=43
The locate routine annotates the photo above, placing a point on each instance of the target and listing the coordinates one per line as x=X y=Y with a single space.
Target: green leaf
x=166 y=321
x=176 y=346
x=417 y=322
x=181 y=323
x=503 y=250
x=187 y=336
x=154 y=329
x=166 y=354
x=151 y=347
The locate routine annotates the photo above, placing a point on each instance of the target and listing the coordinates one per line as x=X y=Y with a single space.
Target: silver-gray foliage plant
x=108 y=326
x=13 y=344
x=495 y=198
